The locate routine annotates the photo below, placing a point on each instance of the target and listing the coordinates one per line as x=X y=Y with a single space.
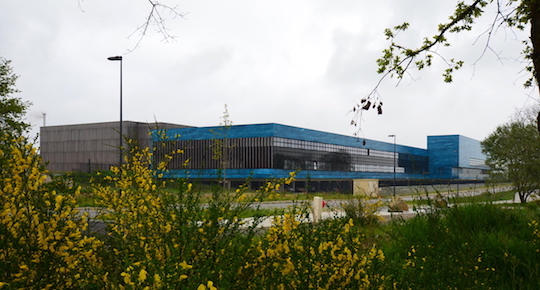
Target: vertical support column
x=317 y=208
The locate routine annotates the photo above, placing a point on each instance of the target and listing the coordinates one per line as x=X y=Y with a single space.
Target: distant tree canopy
x=513 y=152
x=12 y=109
x=397 y=60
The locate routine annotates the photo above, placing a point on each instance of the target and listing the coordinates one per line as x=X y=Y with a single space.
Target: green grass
x=424 y=190
x=87 y=200
x=307 y=196
x=484 y=197
x=473 y=246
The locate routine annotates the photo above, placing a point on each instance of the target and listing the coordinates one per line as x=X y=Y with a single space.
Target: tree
x=12 y=109
x=513 y=151
x=221 y=147
x=527 y=115
x=397 y=59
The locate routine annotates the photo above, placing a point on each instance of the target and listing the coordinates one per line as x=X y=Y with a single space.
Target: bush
x=362 y=210
x=156 y=238
x=42 y=244
x=325 y=255
x=466 y=247
x=162 y=239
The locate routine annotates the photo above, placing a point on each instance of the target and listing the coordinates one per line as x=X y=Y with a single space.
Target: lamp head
x=115 y=58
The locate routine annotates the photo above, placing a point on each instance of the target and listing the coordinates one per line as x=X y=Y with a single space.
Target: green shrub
x=302 y=255
x=42 y=241
x=157 y=238
x=466 y=247
x=173 y=240
x=362 y=210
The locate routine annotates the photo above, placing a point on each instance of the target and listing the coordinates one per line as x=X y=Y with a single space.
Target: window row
x=257 y=153
x=316 y=146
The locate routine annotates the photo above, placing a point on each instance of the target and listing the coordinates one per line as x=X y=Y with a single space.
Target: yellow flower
x=127 y=278
x=142 y=275
x=185 y=266
x=209 y=286
x=157 y=279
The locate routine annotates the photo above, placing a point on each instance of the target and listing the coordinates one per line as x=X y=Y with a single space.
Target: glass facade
x=286 y=153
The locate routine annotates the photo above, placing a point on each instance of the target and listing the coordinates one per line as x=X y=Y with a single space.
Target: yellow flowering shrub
x=159 y=238
x=326 y=255
x=42 y=238
x=164 y=238
x=141 y=246
x=271 y=188
x=174 y=240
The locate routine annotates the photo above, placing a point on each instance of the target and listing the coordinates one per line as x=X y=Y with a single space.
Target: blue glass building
x=326 y=160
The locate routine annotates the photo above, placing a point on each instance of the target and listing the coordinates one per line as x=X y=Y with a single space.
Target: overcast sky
x=301 y=63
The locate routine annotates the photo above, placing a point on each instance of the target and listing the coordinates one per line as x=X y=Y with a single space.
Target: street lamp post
x=394 y=163
x=115 y=58
x=457 y=171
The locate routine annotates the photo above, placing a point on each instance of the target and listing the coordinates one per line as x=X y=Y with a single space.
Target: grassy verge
x=484 y=197
x=481 y=198
x=474 y=246
x=88 y=199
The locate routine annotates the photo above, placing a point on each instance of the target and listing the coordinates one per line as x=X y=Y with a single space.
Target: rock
x=397 y=205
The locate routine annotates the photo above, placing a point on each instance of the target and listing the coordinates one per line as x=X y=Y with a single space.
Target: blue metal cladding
x=470 y=149
x=452 y=156
x=264 y=173
x=443 y=155
x=283 y=131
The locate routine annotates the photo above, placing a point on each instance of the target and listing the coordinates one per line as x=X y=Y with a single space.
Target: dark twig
x=155 y=18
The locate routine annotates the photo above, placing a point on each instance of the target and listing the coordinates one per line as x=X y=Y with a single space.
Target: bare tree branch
x=80 y=5
x=155 y=18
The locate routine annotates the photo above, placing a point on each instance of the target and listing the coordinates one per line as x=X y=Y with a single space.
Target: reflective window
x=282 y=153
